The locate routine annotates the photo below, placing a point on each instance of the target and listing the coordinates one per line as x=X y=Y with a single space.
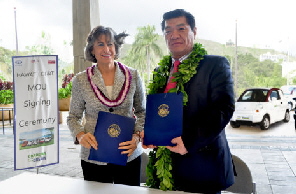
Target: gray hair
x=118 y=40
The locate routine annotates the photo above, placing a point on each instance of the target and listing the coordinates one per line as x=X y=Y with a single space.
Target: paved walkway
x=273 y=167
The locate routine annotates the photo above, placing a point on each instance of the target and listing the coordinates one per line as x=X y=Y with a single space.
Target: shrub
x=66 y=89
x=6 y=92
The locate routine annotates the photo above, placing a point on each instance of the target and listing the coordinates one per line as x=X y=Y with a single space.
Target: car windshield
x=289 y=90
x=253 y=96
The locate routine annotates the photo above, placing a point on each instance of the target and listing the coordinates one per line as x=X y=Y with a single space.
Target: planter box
x=6 y=113
x=60 y=117
x=64 y=104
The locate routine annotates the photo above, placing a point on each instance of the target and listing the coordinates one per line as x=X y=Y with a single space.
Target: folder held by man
x=164 y=116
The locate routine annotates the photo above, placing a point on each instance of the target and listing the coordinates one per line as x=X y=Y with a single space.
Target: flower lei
x=159 y=166
x=123 y=92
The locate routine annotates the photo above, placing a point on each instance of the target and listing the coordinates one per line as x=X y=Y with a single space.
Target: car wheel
x=234 y=124
x=287 y=117
x=265 y=123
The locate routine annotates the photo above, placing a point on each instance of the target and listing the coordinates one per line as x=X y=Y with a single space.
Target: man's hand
x=87 y=140
x=179 y=148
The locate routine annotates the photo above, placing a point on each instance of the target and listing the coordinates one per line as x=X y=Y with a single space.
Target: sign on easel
x=36 y=125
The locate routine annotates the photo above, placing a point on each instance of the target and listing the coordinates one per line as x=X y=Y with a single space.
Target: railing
x=10 y=110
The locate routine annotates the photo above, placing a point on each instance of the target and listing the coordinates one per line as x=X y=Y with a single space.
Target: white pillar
x=85 y=17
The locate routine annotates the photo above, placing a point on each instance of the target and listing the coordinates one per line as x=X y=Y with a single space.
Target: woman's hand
x=129 y=146
x=87 y=140
x=143 y=143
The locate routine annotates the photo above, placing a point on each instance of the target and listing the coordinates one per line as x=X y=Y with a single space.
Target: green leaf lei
x=159 y=167
x=187 y=69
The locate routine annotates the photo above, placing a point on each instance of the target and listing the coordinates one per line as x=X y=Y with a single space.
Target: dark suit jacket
x=208 y=165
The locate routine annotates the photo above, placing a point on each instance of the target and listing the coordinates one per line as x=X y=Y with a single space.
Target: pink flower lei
x=123 y=92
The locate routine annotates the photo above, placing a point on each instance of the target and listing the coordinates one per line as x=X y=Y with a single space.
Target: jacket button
x=111 y=109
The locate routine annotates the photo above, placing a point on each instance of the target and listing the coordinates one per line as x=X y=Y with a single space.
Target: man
x=201 y=158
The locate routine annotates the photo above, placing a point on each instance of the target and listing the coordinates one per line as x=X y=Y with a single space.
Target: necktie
x=170 y=83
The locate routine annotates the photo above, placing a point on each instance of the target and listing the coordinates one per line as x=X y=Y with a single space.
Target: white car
x=262 y=106
x=290 y=93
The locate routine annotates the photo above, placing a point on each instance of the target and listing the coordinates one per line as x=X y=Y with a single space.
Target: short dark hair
x=178 y=13
x=118 y=40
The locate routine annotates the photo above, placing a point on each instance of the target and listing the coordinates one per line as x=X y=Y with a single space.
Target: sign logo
x=18 y=62
x=114 y=130
x=51 y=61
x=163 y=110
x=37 y=157
x=35 y=61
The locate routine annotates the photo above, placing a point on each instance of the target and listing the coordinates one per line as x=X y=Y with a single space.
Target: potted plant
x=64 y=93
x=6 y=96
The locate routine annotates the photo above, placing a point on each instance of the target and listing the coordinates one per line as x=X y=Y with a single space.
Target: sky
x=260 y=23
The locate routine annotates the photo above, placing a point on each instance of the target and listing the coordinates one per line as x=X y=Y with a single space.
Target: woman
x=108 y=86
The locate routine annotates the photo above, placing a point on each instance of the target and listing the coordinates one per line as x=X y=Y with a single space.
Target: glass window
x=274 y=94
x=253 y=96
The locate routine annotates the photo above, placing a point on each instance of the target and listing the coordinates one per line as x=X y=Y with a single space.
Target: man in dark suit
x=201 y=158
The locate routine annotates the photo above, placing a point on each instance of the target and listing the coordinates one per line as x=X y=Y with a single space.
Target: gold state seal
x=163 y=110
x=114 y=130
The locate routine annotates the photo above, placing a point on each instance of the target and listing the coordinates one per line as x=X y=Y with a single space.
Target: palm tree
x=144 y=51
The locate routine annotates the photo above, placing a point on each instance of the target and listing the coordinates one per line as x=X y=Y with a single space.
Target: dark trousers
x=111 y=173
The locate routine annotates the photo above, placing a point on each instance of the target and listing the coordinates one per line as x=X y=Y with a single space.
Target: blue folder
x=164 y=118
x=111 y=129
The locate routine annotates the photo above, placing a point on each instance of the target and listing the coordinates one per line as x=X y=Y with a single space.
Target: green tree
x=253 y=73
x=144 y=51
x=294 y=81
x=5 y=63
x=44 y=46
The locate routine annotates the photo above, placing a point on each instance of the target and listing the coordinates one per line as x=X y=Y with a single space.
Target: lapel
x=97 y=79
x=118 y=82
x=119 y=79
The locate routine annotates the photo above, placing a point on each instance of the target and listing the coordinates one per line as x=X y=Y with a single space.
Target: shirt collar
x=181 y=58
